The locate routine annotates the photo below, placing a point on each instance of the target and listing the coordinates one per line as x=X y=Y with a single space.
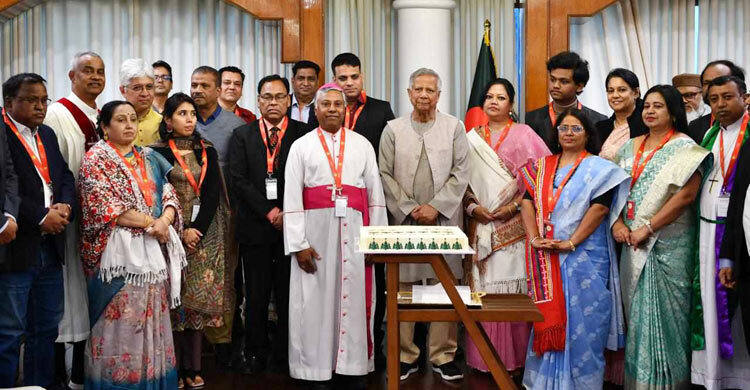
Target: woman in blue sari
x=570 y=260
x=132 y=256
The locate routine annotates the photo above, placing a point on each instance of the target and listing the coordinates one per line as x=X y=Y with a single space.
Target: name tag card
x=722 y=206
x=271 y=189
x=194 y=214
x=339 y=206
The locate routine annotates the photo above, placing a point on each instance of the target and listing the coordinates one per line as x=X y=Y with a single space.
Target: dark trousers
x=379 y=308
x=31 y=304
x=266 y=268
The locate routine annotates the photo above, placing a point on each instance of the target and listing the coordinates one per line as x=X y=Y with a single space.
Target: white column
x=425 y=39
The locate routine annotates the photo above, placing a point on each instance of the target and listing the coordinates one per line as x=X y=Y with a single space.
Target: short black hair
x=734 y=70
x=231 y=69
x=675 y=106
x=305 y=64
x=500 y=81
x=14 y=83
x=626 y=75
x=170 y=106
x=592 y=139
x=722 y=80
x=210 y=70
x=345 y=59
x=105 y=115
x=273 y=77
x=162 y=64
x=570 y=60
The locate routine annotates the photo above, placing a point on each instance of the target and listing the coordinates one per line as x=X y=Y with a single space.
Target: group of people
x=132 y=230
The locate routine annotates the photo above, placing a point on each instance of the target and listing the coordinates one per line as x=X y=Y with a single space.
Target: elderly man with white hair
x=332 y=189
x=137 y=87
x=424 y=169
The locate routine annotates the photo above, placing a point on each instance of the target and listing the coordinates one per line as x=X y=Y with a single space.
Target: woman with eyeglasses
x=493 y=202
x=657 y=227
x=570 y=259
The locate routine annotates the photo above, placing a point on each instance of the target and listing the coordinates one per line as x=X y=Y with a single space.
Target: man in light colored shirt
x=162 y=84
x=304 y=83
x=137 y=87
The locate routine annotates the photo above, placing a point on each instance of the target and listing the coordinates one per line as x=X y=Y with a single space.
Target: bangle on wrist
x=572 y=247
x=649 y=227
x=533 y=239
x=517 y=205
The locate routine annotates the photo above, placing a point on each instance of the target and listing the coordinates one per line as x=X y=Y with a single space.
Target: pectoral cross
x=333 y=192
x=712 y=180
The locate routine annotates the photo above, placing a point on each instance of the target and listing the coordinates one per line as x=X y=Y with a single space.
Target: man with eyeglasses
x=689 y=86
x=258 y=153
x=162 y=84
x=232 y=81
x=31 y=278
x=137 y=87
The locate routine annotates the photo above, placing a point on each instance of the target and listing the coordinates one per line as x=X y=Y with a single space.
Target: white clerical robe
x=708 y=368
x=74 y=325
x=328 y=327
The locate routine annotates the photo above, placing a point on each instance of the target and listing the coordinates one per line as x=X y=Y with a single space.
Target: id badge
x=722 y=206
x=271 y=189
x=339 y=206
x=549 y=229
x=194 y=214
x=631 y=209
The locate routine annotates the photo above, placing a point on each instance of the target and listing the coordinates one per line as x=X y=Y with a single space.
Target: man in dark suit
x=367 y=116
x=258 y=153
x=698 y=127
x=568 y=75
x=31 y=281
x=304 y=84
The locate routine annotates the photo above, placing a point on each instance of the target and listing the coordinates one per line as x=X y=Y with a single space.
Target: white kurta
x=708 y=368
x=74 y=325
x=328 y=326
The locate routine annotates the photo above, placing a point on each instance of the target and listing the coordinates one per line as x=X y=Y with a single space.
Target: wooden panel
x=541 y=44
x=5 y=4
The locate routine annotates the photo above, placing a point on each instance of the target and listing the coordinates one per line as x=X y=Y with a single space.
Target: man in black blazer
x=698 y=127
x=568 y=75
x=367 y=116
x=31 y=280
x=304 y=84
x=259 y=192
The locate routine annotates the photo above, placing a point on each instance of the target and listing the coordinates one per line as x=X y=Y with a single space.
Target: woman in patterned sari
x=132 y=257
x=197 y=180
x=570 y=260
x=657 y=227
x=493 y=202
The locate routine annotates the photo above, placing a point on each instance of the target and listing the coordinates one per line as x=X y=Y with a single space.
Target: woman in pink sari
x=498 y=150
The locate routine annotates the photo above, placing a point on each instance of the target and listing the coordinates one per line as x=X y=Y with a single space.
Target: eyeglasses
x=34 y=100
x=690 y=95
x=163 y=78
x=268 y=98
x=565 y=128
x=139 y=87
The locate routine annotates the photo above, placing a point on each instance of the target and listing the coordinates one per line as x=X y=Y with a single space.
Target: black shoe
x=257 y=362
x=448 y=371
x=318 y=385
x=350 y=382
x=223 y=353
x=380 y=361
x=240 y=365
x=407 y=369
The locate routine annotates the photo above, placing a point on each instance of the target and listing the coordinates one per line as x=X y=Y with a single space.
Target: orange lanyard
x=553 y=116
x=363 y=99
x=40 y=163
x=142 y=180
x=270 y=157
x=187 y=171
x=552 y=196
x=335 y=170
x=735 y=152
x=639 y=168
x=503 y=135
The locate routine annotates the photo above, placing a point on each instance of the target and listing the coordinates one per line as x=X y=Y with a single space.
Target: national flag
x=484 y=73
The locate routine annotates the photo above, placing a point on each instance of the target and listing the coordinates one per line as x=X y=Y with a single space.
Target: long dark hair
x=170 y=107
x=675 y=106
x=105 y=115
x=592 y=140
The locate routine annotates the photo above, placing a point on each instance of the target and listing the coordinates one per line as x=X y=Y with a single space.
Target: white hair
x=323 y=90
x=132 y=68
x=425 y=72
x=77 y=58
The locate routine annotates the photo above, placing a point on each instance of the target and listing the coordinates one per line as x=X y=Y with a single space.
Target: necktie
x=273 y=139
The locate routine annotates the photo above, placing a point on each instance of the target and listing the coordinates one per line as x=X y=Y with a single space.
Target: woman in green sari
x=657 y=227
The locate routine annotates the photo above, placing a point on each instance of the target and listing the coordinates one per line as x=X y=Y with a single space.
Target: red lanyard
x=270 y=157
x=187 y=171
x=639 y=168
x=40 y=163
x=552 y=196
x=142 y=180
x=553 y=116
x=335 y=170
x=503 y=135
x=363 y=100
x=735 y=152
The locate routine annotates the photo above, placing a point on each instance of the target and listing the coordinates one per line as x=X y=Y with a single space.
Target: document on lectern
x=414 y=239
